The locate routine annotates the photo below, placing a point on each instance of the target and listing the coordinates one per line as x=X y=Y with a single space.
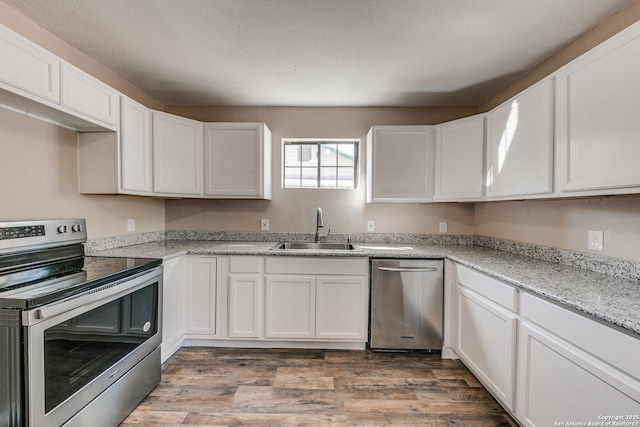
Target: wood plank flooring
x=258 y=387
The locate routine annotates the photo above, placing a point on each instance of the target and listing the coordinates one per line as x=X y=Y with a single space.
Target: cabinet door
x=245 y=298
x=487 y=343
x=559 y=383
x=201 y=296
x=400 y=164
x=173 y=289
x=597 y=118
x=177 y=155
x=89 y=96
x=135 y=147
x=341 y=308
x=459 y=160
x=520 y=145
x=290 y=307
x=237 y=160
x=27 y=68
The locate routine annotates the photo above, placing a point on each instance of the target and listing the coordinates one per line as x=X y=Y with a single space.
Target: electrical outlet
x=596 y=240
x=371 y=226
x=443 y=227
x=131 y=225
x=264 y=224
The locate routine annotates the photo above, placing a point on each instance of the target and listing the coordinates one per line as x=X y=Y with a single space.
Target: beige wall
x=39 y=180
x=293 y=210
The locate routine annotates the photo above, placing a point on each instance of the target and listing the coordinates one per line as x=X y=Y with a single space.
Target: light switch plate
x=443 y=227
x=131 y=224
x=371 y=226
x=596 y=240
x=264 y=224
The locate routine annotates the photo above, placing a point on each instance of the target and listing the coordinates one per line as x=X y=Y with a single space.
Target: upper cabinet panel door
x=28 y=68
x=177 y=155
x=400 y=164
x=520 y=145
x=135 y=147
x=460 y=160
x=237 y=160
x=88 y=96
x=598 y=126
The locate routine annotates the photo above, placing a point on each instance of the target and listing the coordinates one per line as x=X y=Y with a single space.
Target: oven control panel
x=19 y=234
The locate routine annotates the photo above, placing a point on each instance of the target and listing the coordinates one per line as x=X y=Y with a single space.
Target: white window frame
x=319 y=142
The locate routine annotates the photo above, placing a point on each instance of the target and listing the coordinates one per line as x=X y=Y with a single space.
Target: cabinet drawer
x=614 y=347
x=492 y=289
x=311 y=266
x=245 y=264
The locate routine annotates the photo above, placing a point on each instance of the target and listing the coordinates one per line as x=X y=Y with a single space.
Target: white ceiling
x=319 y=52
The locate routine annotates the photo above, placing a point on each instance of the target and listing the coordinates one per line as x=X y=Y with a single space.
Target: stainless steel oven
x=81 y=335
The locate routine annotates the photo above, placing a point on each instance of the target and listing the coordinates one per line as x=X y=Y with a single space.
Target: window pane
x=309 y=177
x=328 y=177
x=291 y=155
x=346 y=154
x=329 y=154
x=346 y=177
x=292 y=177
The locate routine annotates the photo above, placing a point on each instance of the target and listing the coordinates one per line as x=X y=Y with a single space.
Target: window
x=319 y=163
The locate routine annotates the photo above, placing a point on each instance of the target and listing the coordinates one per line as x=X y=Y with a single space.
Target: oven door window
x=83 y=347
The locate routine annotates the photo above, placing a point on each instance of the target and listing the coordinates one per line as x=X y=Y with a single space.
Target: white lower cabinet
x=173 y=308
x=290 y=307
x=245 y=297
x=302 y=301
x=572 y=368
x=486 y=338
x=201 y=297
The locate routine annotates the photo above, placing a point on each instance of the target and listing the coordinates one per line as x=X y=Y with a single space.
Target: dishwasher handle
x=408 y=269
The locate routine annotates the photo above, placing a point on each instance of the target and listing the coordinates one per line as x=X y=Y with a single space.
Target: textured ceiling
x=319 y=52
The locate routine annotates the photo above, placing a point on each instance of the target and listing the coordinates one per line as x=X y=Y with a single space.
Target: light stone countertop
x=612 y=300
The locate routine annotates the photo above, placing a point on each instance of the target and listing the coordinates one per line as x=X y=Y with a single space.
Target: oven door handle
x=90 y=299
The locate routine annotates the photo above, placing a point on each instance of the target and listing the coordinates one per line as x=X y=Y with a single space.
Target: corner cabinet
x=597 y=122
x=574 y=368
x=519 y=159
x=459 y=165
x=237 y=160
x=177 y=156
x=400 y=164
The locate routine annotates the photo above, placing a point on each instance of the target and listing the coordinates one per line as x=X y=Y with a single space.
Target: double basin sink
x=314 y=246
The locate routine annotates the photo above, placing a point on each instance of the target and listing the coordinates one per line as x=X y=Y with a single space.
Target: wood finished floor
x=257 y=387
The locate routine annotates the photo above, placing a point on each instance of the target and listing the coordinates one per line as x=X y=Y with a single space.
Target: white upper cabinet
x=88 y=96
x=27 y=68
x=135 y=147
x=237 y=160
x=520 y=145
x=459 y=160
x=597 y=126
x=177 y=156
x=400 y=162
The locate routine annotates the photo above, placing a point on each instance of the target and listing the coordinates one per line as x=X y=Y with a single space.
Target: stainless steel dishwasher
x=406 y=304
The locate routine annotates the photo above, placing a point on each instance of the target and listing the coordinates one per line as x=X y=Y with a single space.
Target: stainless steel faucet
x=319 y=225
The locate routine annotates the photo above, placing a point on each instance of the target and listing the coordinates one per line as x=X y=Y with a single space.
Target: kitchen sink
x=314 y=246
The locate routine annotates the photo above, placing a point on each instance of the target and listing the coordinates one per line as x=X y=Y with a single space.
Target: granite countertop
x=606 y=298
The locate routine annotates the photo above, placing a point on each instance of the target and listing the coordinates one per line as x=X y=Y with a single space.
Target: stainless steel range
x=79 y=335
